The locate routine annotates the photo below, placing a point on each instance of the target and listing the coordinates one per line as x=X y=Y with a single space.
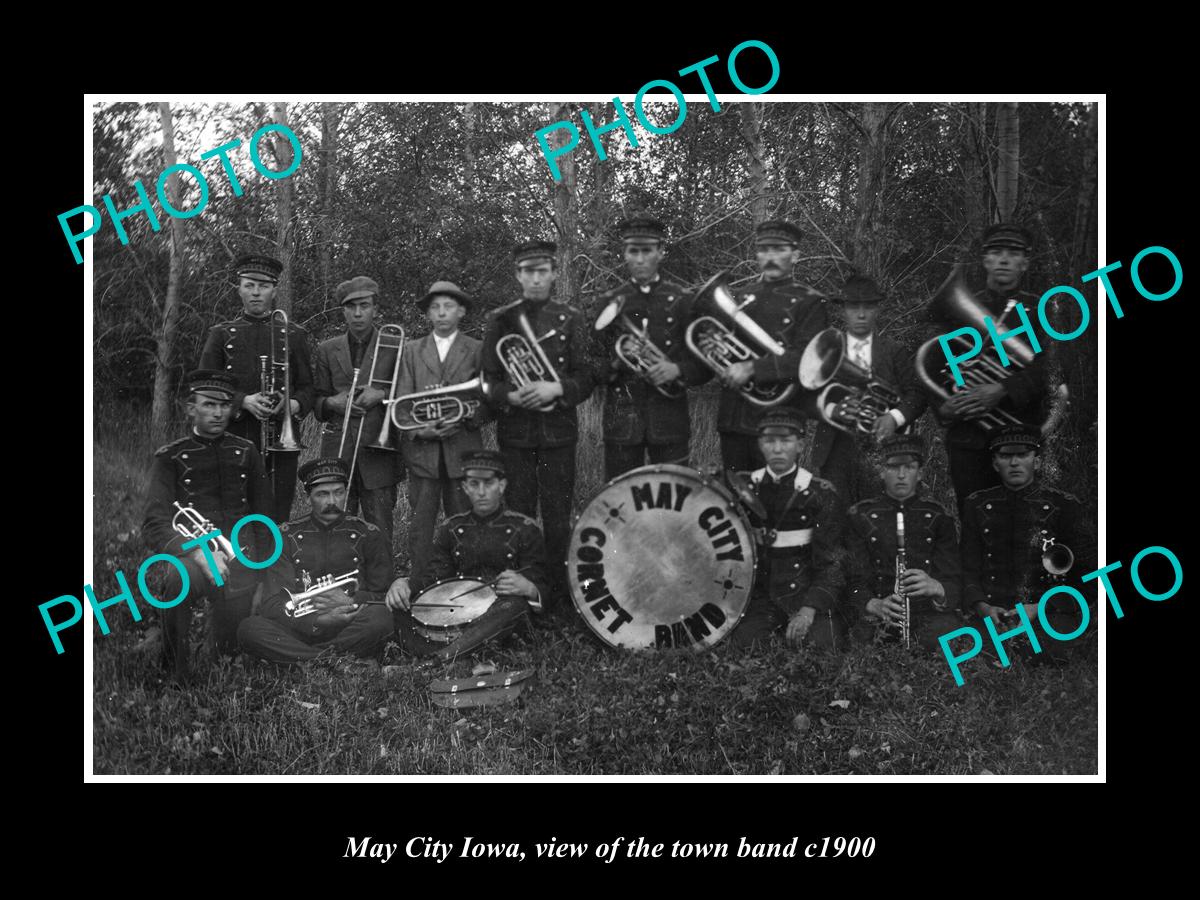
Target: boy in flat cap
x=931 y=578
x=219 y=475
x=1009 y=537
x=537 y=427
x=646 y=416
x=326 y=542
x=237 y=346
x=800 y=575
x=792 y=313
x=442 y=358
x=1022 y=392
x=377 y=472
x=490 y=543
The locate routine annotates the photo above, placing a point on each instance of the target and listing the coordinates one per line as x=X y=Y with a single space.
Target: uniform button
x=795 y=565
x=670 y=297
x=353 y=536
x=229 y=367
x=183 y=456
x=792 y=586
x=297 y=560
x=229 y=346
x=510 y=556
x=668 y=343
x=561 y=317
x=243 y=474
x=874 y=516
x=560 y=359
x=985 y=531
x=787 y=321
x=187 y=481
x=989 y=553
x=355 y=558
x=299 y=537
x=508 y=531
x=987 y=506
x=1045 y=507
x=460 y=531
x=929 y=540
x=233 y=331
x=670 y=319
x=237 y=452
x=929 y=515
x=791 y=300
x=872 y=539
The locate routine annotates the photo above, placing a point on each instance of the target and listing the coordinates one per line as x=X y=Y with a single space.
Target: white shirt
x=443 y=344
x=790 y=473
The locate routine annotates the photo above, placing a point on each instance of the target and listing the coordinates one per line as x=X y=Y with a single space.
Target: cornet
x=635 y=349
x=523 y=357
x=299 y=605
x=193 y=526
x=439 y=406
x=719 y=348
x=825 y=364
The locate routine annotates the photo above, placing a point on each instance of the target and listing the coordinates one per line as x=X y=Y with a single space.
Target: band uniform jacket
x=1001 y=546
x=348 y=544
x=563 y=336
x=792 y=313
x=237 y=346
x=634 y=411
x=222 y=478
x=807 y=573
x=468 y=546
x=1026 y=388
x=334 y=375
x=421 y=370
x=930 y=544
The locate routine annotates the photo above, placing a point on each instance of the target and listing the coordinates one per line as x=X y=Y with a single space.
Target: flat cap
x=776 y=230
x=1007 y=235
x=258 y=265
x=1016 y=436
x=444 y=289
x=534 y=250
x=781 y=418
x=213 y=383
x=355 y=289
x=323 y=469
x=482 y=459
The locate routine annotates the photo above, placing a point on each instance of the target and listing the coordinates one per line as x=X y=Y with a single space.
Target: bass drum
x=662 y=557
x=446 y=607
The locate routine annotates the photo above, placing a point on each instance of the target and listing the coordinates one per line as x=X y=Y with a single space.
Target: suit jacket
x=334 y=375
x=235 y=347
x=420 y=370
x=893 y=364
x=568 y=351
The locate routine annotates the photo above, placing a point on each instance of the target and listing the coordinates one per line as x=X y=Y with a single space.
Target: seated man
x=492 y=544
x=799 y=575
x=326 y=542
x=931 y=578
x=1007 y=531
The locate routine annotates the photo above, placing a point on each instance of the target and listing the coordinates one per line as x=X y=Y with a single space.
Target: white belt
x=797 y=538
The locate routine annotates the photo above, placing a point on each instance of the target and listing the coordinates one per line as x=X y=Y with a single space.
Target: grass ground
x=592 y=710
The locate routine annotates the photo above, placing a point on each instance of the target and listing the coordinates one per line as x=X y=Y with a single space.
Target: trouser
x=971 y=470
x=504 y=616
x=847 y=469
x=1064 y=616
x=426 y=496
x=545 y=474
x=763 y=617
x=925 y=627
x=268 y=639
x=281 y=471
x=740 y=452
x=378 y=505
x=230 y=605
x=620 y=458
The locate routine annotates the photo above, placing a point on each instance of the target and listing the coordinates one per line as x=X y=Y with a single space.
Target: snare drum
x=661 y=557
x=446 y=607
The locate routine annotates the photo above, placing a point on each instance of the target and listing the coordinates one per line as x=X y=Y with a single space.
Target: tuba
x=522 y=355
x=953 y=302
x=635 y=349
x=825 y=365
x=299 y=605
x=278 y=437
x=719 y=347
x=439 y=406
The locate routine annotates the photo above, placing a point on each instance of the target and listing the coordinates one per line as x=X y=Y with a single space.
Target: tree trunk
x=469 y=173
x=160 y=422
x=1008 y=129
x=871 y=164
x=1083 y=260
x=975 y=206
x=326 y=179
x=752 y=114
x=283 y=210
x=566 y=210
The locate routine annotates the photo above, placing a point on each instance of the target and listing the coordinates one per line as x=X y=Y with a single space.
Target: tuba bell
x=718 y=346
x=826 y=367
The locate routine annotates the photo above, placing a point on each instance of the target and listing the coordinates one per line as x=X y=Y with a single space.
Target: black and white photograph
x=738 y=436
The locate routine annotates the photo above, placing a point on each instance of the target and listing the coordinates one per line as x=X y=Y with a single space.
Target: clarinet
x=901 y=565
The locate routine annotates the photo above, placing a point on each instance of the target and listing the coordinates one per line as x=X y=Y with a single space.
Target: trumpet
x=1057 y=559
x=635 y=349
x=824 y=365
x=523 y=357
x=299 y=605
x=901 y=565
x=278 y=437
x=193 y=526
x=439 y=406
x=954 y=302
x=719 y=348
x=395 y=333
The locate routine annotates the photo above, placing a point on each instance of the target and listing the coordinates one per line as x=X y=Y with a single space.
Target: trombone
x=396 y=333
x=439 y=406
x=385 y=331
x=523 y=357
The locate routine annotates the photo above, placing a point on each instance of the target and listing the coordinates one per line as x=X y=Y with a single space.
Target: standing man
x=882 y=360
x=326 y=542
x=237 y=347
x=1005 y=258
x=932 y=575
x=1007 y=530
x=432 y=454
x=792 y=313
x=639 y=421
x=376 y=472
x=537 y=426
x=800 y=575
x=491 y=543
x=220 y=475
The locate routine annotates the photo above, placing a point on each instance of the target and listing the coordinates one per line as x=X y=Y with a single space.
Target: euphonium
x=301 y=604
x=901 y=566
x=719 y=347
x=635 y=349
x=279 y=437
x=439 y=406
x=193 y=526
x=825 y=365
x=523 y=357
x=953 y=302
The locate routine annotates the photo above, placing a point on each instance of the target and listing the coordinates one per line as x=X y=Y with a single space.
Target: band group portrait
x=665 y=462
